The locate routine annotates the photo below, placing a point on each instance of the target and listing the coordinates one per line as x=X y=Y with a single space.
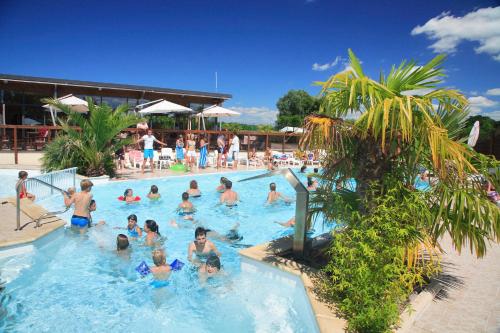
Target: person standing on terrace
x=149 y=139
x=191 y=152
x=203 y=152
x=235 y=150
x=221 y=145
x=179 y=149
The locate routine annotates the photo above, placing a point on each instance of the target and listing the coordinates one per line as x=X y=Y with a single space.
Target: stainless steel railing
x=44 y=185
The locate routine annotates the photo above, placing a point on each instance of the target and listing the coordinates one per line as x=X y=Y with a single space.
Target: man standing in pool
x=149 y=139
x=81 y=200
x=201 y=246
x=229 y=197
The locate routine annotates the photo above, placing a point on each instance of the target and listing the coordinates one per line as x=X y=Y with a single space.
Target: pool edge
x=268 y=254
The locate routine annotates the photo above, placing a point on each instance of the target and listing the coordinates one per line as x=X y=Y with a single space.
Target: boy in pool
x=81 y=200
x=274 y=195
x=194 y=191
x=133 y=230
x=122 y=243
x=229 y=197
x=161 y=271
x=185 y=210
x=303 y=169
x=201 y=246
x=210 y=268
x=153 y=193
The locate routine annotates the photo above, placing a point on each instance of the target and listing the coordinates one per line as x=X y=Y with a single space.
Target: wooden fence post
x=16 y=161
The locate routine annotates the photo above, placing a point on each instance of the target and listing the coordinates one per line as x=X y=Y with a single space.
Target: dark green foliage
x=89 y=147
x=368 y=276
x=487 y=127
x=294 y=107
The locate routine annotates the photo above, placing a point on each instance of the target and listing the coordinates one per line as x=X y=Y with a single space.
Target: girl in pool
x=153 y=193
x=222 y=187
x=152 y=232
x=128 y=196
x=193 y=189
x=133 y=230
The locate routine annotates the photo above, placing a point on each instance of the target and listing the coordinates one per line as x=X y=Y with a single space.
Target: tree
x=400 y=131
x=91 y=145
x=294 y=106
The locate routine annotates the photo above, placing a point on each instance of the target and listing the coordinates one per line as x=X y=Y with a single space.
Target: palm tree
x=89 y=140
x=406 y=123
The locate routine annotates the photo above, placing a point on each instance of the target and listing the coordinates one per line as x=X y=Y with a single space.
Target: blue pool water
x=77 y=283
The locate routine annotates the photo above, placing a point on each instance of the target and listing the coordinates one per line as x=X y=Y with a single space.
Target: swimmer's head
x=150 y=225
x=121 y=242
x=223 y=180
x=193 y=185
x=86 y=185
x=272 y=186
x=154 y=189
x=128 y=192
x=23 y=175
x=303 y=169
x=159 y=257
x=309 y=181
x=228 y=184
x=213 y=264
x=185 y=196
x=132 y=220
x=315 y=170
x=92 y=205
x=71 y=190
x=200 y=234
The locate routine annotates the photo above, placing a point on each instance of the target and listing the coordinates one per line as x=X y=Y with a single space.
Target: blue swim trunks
x=79 y=221
x=148 y=153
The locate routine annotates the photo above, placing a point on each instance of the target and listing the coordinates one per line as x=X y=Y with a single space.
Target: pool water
x=77 y=282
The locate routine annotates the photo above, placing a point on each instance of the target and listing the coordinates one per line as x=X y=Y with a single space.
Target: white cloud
x=253 y=115
x=481 y=101
x=448 y=31
x=493 y=92
x=324 y=67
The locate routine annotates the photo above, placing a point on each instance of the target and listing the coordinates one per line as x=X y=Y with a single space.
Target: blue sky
x=260 y=49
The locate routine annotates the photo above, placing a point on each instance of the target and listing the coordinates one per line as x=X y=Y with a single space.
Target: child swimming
x=152 y=232
x=68 y=194
x=222 y=187
x=186 y=207
x=211 y=267
x=153 y=193
x=128 y=196
x=193 y=189
x=122 y=242
x=161 y=270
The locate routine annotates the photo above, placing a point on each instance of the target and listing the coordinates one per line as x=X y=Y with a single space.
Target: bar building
x=20 y=96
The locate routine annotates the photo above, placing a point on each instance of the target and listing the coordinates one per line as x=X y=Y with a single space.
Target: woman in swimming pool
x=152 y=232
x=201 y=246
x=194 y=191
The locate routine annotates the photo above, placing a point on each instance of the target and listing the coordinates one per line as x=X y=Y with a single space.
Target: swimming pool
x=77 y=283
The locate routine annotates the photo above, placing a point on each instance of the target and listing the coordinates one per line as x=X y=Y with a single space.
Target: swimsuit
x=133 y=232
x=203 y=156
x=79 y=221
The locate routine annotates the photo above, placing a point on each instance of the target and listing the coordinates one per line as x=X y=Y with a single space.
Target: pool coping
x=269 y=254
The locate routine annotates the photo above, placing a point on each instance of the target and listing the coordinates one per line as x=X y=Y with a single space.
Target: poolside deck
x=29 y=211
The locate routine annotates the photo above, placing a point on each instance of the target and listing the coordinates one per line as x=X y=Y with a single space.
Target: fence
x=49 y=182
x=16 y=138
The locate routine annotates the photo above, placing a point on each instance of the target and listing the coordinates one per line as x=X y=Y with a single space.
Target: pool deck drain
x=29 y=211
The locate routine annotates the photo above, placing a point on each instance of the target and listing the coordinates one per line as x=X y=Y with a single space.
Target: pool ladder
x=18 y=203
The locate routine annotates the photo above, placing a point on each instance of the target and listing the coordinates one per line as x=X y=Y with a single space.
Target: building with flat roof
x=20 y=96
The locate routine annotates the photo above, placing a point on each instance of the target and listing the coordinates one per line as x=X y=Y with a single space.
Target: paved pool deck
x=29 y=211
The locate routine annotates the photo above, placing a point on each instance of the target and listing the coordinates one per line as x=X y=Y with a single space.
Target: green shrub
x=369 y=273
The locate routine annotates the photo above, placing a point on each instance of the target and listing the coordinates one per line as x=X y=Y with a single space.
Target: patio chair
x=5 y=142
x=41 y=139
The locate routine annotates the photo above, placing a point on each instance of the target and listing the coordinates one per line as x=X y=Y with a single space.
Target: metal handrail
x=18 y=201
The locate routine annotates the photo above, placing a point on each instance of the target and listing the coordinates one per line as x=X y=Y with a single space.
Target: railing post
x=52 y=183
x=15 y=146
x=18 y=207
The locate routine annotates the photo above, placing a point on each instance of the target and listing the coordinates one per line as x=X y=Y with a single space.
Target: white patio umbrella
x=163 y=106
x=289 y=129
x=76 y=104
x=216 y=111
x=474 y=135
